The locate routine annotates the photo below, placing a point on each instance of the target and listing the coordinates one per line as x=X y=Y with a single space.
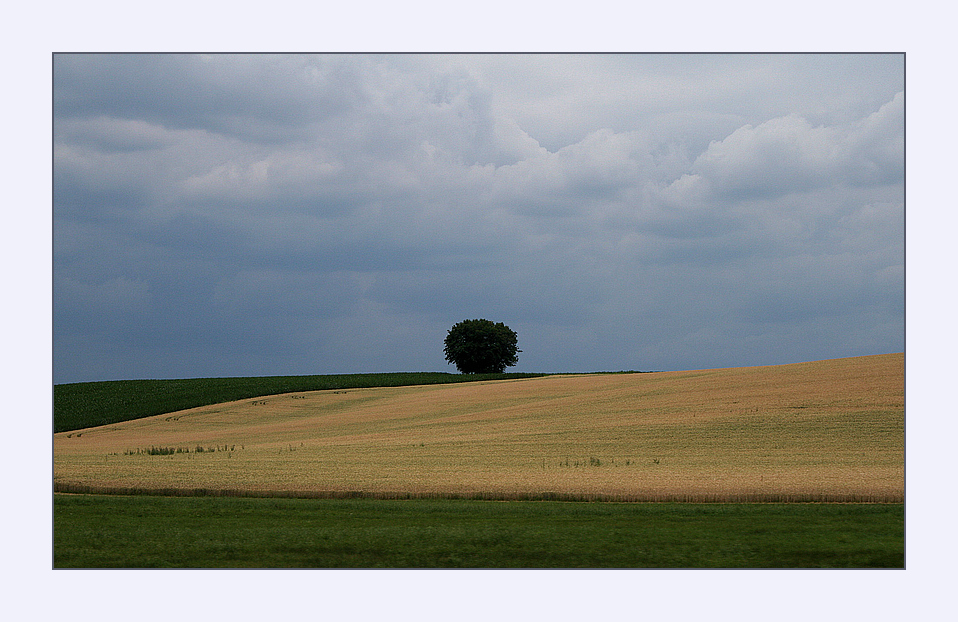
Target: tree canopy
x=481 y=347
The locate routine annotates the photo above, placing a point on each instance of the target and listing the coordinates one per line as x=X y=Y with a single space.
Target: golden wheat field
x=829 y=430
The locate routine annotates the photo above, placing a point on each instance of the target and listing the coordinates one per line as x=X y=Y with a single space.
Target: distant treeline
x=87 y=404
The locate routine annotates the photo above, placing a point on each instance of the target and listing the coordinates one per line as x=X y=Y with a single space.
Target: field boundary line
x=745 y=497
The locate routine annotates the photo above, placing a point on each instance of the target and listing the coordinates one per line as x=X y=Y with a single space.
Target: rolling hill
x=828 y=430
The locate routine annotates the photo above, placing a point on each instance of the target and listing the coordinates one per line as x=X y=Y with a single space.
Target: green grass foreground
x=87 y=404
x=95 y=531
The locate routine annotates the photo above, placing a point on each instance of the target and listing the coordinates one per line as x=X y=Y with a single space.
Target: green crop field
x=166 y=532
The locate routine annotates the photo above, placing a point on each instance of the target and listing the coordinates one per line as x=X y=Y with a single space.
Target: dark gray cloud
x=282 y=214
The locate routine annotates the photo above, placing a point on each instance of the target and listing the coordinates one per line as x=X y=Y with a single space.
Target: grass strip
x=647 y=497
x=87 y=404
x=93 y=531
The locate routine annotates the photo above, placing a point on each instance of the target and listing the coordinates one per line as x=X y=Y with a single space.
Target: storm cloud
x=222 y=215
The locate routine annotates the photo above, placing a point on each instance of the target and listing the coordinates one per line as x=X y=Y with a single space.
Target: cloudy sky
x=229 y=215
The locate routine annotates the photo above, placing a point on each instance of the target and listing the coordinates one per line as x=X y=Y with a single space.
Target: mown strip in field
x=170 y=532
x=87 y=404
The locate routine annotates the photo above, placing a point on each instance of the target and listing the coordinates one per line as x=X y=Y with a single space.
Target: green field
x=92 y=531
x=88 y=404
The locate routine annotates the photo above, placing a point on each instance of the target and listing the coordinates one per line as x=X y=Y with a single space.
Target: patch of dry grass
x=828 y=429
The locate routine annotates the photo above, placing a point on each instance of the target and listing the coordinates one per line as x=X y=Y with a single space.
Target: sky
x=246 y=215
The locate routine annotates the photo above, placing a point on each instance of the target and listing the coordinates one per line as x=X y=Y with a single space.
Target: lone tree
x=481 y=347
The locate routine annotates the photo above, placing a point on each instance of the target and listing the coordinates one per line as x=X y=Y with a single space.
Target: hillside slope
x=822 y=430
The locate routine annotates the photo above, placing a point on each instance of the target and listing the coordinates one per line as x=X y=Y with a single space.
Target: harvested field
x=828 y=430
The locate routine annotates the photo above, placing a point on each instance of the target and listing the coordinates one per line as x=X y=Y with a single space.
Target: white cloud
x=280 y=175
x=513 y=144
x=875 y=149
x=788 y=154
x=779 y=156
